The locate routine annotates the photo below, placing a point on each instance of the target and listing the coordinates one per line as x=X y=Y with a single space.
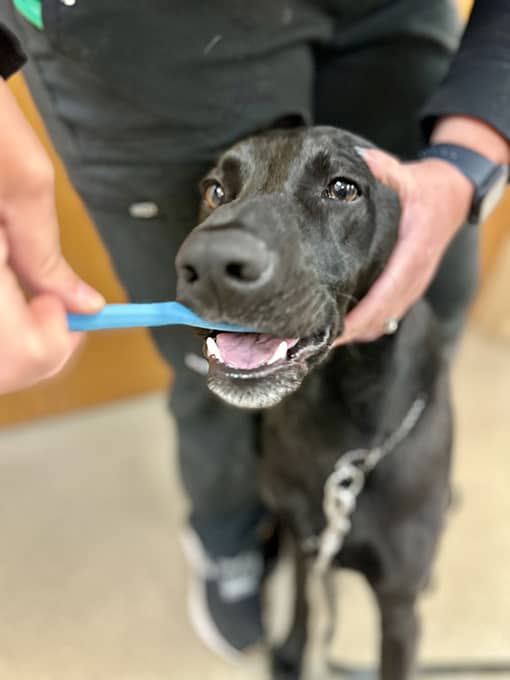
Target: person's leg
x=373 y=79
x=137 y=165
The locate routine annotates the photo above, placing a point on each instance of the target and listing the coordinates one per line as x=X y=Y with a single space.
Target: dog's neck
x=377 y=382
x=357 y=377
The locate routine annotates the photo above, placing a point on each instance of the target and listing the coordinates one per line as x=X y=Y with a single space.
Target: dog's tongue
x=249 y=350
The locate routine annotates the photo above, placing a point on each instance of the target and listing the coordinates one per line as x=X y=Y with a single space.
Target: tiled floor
x=92 y=581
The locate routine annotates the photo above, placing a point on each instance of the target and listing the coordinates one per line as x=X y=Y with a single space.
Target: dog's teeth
x=213 y=349
x=280 y=353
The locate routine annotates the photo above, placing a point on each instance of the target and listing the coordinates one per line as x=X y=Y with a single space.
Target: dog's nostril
x=240 y=271
x=190 y=273
x=235 y=270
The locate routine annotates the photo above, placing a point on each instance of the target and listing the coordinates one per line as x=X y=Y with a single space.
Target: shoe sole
x=198 y=612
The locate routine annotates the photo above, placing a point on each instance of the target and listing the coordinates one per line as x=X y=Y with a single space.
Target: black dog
x=294 y=230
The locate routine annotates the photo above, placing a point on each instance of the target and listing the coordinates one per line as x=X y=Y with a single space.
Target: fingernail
x=360 y=150
x=90 y=296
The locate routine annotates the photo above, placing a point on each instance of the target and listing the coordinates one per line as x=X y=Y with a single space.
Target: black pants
x=140 y=100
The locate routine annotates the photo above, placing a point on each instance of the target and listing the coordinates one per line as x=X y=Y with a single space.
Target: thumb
x=35 y=255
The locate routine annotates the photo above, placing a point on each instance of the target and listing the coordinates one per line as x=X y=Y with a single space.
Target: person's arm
x=34 y=339
x=478 y=82
x=472 y=109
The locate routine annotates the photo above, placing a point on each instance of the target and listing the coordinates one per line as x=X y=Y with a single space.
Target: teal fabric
x=31 y=10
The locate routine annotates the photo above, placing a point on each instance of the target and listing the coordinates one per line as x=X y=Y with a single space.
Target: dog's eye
x=341 y=189
x=214 y=195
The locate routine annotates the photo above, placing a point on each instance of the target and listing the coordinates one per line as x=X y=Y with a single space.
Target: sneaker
x=224 y=600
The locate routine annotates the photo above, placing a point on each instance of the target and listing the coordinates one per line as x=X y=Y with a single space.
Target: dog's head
x=293 y=230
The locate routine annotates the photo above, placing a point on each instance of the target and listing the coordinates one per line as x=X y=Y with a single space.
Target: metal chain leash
x=345 y=483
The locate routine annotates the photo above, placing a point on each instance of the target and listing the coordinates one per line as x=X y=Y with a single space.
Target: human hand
x=435 y=199
x=34 y=338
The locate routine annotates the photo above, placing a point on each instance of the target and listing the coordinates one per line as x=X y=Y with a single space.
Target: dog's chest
x=302 y=442
x=308 y=434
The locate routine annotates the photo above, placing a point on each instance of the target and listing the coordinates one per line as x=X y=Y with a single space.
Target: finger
x=34 y=337
x=52 y=343
x=36 y=257
x=12 y=300
x=386 y=168
x=390 y=296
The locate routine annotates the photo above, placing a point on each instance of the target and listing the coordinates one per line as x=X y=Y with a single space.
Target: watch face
x=494 y=194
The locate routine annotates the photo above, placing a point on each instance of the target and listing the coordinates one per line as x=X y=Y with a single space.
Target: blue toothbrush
x=145 y=314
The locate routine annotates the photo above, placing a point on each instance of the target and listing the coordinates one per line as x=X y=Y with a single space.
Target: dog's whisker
x=348 y=296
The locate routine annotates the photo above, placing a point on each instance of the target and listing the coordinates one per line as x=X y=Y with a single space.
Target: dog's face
x=293 y=230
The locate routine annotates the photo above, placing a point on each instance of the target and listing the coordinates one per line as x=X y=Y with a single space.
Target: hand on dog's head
x=293 y=230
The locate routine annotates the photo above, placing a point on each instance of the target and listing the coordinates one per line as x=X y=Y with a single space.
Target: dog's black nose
x=220 y=262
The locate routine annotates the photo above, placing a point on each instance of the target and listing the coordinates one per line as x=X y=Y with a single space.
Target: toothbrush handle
x=143 y=314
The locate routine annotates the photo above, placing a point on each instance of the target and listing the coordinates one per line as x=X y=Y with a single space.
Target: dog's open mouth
x=256 y=355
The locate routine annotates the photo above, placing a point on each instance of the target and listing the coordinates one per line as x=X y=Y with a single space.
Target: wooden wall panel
x=465 y=7
x=494 y=232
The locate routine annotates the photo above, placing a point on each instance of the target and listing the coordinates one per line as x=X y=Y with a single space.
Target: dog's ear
x=288 y=122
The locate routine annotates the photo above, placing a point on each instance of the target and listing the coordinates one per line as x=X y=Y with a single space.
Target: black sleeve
x=478 y=83
x=12 y=56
